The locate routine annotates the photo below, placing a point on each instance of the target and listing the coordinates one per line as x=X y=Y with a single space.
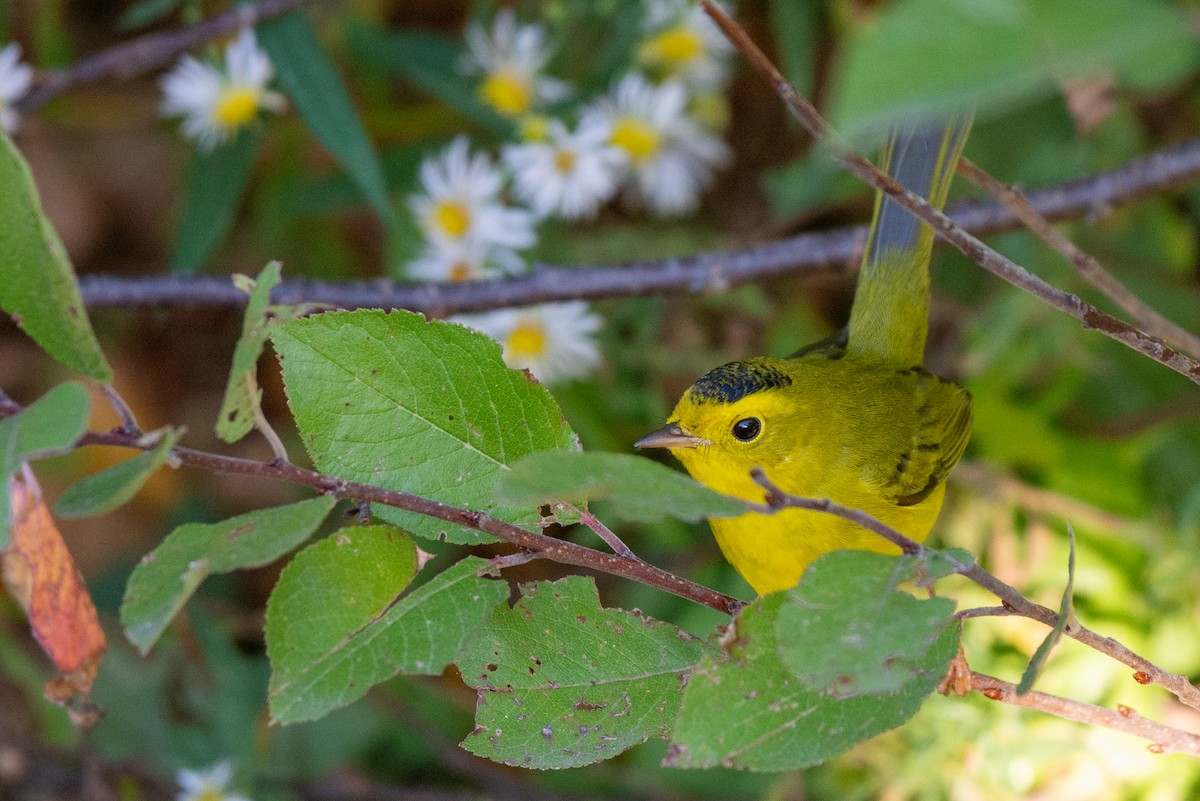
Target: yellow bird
x=854 y=418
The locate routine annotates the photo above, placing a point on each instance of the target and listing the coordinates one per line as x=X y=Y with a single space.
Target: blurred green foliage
x=1069 y=425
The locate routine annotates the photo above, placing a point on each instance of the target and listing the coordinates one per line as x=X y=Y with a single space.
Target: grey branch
x=827 y=252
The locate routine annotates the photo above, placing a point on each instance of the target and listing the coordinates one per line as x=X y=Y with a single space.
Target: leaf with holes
x=564 y=682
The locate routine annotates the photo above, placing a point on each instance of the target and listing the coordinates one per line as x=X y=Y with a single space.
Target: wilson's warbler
x=854 y=418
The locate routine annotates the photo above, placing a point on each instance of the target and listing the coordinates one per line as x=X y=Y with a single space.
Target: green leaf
x=166 y=577
x=49 y=425
x=330 y=593
x=423 y=407
x=145 y=12
x=313 y=85
x=429 y=61
x=421 y=634
x=1066 y=615
x=242 y=393
x=1001 y=53
x=639 y=489
x=564 y=682
x=846 y=630
x=37 y=284
x=103 y=492
x=745 y=709
x=212 y=188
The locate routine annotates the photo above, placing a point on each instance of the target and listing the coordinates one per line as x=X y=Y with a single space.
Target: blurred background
x=1069 y=425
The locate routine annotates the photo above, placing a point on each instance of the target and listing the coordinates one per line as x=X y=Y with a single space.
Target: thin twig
x=1145 y=671
x=603 y=532
x=129 y=423
x=1163 y=739
x=1146 y=318
x=260 y=419
x=943 y=226
x=149 y=52
x=984 y=611
x=543 y=546
x=824 y=253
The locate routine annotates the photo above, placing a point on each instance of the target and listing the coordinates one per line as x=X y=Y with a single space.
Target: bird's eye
x=747 y=428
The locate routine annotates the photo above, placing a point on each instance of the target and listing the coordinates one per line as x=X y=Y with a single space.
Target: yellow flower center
x=534 y=128
x=508 y=92
x=635 y=137
x=460 y=271
x=452 y=217
x=236 y=106
x=527 y=341
x=210 y=792
x=564 y=160
x=674 y=47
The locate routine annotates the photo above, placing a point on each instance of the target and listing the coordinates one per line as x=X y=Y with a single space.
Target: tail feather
x=891 y=305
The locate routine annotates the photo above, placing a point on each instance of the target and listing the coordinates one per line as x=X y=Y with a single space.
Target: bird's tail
x=891 y=305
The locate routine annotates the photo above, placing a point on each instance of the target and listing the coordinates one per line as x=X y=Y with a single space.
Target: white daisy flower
x=511 y=59
x=215 y=105
x=671 y=158
x=463 y=261
x=15 y=79
x=554 y=341
x=566 y=174
x=461 y=202
x=683 y=42
x=207 y=784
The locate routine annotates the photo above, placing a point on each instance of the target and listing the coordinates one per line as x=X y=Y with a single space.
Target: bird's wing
x=935 y=440
x=891 y=304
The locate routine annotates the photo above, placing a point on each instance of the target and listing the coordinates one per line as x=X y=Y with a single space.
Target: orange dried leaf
x=41 y=575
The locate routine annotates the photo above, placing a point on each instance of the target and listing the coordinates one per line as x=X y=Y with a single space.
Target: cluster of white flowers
x=653 y=140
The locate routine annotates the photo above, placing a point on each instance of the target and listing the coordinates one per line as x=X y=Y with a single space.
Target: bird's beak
x=670 y=436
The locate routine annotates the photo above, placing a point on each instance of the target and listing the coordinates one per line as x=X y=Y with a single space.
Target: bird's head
x=731 y=420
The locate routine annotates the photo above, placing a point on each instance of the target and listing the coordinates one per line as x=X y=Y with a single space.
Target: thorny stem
x=540 y=545
x=1145 y=671
x=943 y=226
x=1163 y=739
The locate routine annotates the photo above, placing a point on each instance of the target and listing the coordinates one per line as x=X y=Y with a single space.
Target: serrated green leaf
x=1001 y=52
x=392 y=400
x=212 y=188
x=419 y=634
x=37 y=284
x=242 y=393
x=102 y=492
x=846 y=630
x=330 y=592
x=429 y=61
x=564 y=682
x=1066 y=613
x=314 y=86
x=51 y=424
x=167 y=576
x=638 y=488
x=745 y=709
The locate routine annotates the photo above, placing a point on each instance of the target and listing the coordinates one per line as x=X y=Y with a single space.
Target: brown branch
x=829 y=252
x=543 y=546
x=1145 y=671
x=149 y=52
x=1163 y=739
x=1146 y=318
x=943 y=226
